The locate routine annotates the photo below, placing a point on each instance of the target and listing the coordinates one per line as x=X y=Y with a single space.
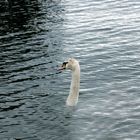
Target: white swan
x=74 y=66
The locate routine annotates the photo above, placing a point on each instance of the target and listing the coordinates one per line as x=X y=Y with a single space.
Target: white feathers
x=74 y=66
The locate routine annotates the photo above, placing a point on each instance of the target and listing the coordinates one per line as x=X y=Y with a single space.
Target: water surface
x=37 y=36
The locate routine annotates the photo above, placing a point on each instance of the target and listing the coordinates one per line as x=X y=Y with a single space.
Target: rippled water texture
x=37 y=36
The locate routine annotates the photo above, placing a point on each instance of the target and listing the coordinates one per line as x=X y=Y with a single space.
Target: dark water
x=37 y=36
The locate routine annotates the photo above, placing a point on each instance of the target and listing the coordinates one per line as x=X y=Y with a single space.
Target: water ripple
x=103 y=36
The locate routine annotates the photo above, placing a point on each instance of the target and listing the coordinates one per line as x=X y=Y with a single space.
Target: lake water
x=37 y=36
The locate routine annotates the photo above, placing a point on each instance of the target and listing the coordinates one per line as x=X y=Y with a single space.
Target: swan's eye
x=64 y=65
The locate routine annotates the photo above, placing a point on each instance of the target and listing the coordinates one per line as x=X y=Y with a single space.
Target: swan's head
x=70 y=64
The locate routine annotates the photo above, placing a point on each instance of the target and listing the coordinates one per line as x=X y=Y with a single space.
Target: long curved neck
x=75 y=83
x=74 y=88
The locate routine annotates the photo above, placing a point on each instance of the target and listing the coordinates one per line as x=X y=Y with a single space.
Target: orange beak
x=63 y=66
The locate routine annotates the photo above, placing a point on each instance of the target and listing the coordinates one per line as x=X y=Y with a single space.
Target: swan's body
x=73 y=65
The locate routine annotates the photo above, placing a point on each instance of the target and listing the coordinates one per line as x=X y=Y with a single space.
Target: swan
x=73 y=65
